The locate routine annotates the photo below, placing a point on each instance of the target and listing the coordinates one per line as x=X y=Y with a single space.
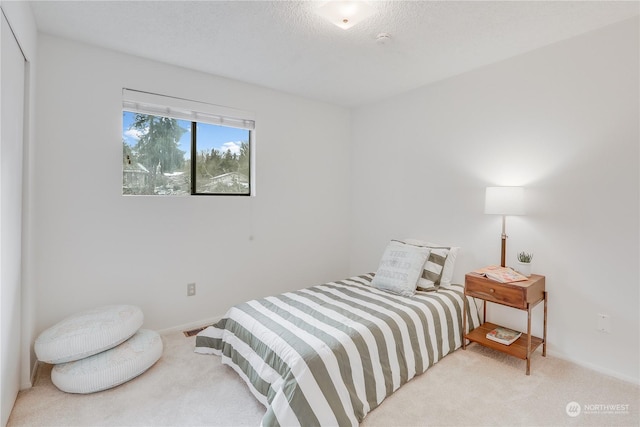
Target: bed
x=329 y=354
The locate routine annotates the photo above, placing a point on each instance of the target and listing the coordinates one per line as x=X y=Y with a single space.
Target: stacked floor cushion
x=109 y=368
x=98 y=349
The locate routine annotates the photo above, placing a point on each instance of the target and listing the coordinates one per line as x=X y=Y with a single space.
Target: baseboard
x=190 y=326
x=595 y=368
x=34 y=376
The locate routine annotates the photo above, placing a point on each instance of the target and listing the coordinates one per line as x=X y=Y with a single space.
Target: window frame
x=139 y=102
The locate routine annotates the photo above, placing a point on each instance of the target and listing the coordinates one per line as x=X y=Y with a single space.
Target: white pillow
x=447 y=271
x=400 y=267
x=109 y=368
x=87 y=333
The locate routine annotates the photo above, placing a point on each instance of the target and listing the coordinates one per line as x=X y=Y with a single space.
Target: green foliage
x=215 y=163
x=157 y=149
x=127 y=154
x=525 y=257
x=243 y=160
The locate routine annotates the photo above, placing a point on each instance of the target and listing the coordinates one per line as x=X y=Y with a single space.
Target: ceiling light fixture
x=345 y=14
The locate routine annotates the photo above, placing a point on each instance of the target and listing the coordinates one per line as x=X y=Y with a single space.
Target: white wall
x=96 y=247
x=17 y=297
x=561 y=121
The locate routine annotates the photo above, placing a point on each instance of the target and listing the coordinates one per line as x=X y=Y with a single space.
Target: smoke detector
x=383 y=38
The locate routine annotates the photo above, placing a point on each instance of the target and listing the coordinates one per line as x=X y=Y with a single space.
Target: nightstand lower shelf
x=517 y=349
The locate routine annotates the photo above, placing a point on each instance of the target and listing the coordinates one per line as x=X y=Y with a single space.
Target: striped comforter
x=329 y=354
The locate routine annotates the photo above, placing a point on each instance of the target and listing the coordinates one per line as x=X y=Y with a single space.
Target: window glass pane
x=223 y=160
x=155 y=155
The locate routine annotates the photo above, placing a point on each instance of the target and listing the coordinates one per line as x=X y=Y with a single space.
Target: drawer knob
x=492 y=290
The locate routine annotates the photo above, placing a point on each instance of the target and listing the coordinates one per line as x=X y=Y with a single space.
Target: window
x=173 y=146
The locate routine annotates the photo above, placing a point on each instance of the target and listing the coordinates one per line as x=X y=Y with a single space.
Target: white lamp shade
x=504 y=201
x=345 y=14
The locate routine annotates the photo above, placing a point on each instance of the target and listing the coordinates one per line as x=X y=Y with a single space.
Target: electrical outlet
x=603 y=323
x=191 y=289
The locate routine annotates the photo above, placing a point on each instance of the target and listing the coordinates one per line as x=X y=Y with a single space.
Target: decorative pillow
x=109 y=368
x=447 y=271
x=433 y=269
x=400 y=268
x=87 y=333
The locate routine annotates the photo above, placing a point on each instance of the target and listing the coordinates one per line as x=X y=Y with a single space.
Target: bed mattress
x=329 y=354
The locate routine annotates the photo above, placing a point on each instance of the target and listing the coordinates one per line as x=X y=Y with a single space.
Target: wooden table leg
x=464 y=322
x=528 y=339
x=544 y=333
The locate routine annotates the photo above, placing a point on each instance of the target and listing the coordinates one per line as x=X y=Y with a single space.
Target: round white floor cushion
x=88 y=333
x=109 y=368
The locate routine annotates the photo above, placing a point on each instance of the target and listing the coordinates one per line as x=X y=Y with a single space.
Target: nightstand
x=524 y=295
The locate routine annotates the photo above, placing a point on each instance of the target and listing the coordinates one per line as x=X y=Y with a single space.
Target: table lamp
x=504 y=201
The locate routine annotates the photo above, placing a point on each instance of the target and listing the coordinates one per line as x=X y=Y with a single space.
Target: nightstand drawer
x=497 y=292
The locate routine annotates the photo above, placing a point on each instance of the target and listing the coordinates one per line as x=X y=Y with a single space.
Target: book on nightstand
x=504 y=336
x=501 y=274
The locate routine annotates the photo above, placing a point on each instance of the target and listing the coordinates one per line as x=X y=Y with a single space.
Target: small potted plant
x=524 y=259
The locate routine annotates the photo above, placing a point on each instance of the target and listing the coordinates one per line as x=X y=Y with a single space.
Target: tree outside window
x=158 y=152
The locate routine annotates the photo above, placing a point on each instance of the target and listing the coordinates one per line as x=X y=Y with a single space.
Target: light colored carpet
x=477 y=386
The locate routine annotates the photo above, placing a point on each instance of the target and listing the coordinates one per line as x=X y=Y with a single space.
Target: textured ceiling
x=285 y=46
